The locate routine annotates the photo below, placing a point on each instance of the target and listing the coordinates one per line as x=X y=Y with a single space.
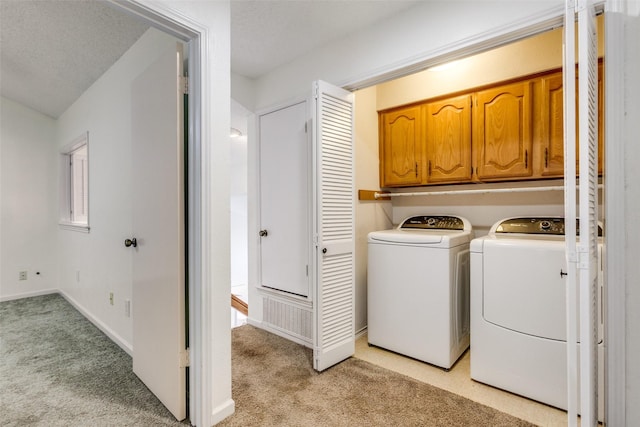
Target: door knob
x=131 y=242
x=263 y=233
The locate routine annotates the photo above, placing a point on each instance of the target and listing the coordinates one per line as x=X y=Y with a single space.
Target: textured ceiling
x=268 y=33
x=53 y=50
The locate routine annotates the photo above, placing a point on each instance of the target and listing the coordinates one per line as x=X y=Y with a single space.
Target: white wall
x=632 y=218
x=99 y=258
x=370 y=215
x=412 y=35
x=242 y=91
x=531 y=55
x=29 y=201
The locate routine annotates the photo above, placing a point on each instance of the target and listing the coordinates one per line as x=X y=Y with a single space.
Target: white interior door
x=158 y=305
x=333 y=225
x=582 y=254
x=284 y=200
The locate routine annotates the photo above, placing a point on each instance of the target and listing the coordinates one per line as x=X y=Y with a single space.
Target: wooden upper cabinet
x=503 y=132
x=448 y=140
x=510 y=131
x=401 y=147
x=552 y=126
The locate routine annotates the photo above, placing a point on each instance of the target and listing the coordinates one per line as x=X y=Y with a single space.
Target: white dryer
x=518 y=312
x=418 y=288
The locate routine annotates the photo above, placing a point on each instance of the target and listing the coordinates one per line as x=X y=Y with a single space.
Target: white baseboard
x=222 y=411
x=28 y=294
x=122 y=343
x=361 y=332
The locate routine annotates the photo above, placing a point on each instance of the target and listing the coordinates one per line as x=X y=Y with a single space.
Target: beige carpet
x=274 y=384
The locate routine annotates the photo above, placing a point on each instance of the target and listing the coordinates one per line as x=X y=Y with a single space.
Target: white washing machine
x=418 y=288
x=518 y=312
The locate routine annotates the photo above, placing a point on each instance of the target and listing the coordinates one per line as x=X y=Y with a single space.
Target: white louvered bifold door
x=333 y=221
x=583 y=253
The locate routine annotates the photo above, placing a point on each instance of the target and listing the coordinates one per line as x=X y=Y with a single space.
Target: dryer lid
x=401 y=236
x=425 y=238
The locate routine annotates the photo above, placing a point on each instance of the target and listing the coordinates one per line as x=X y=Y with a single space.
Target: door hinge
x=185 y=84
x=184 y=358
x=583 y=256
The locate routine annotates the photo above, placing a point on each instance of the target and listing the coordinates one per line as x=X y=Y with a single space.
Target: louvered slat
x=588 y=131
x=335 y=294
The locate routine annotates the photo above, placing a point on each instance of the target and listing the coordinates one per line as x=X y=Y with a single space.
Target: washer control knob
x=545 y=225
x=431 y=221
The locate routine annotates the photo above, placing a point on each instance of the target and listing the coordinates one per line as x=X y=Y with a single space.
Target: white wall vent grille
x=288 y=318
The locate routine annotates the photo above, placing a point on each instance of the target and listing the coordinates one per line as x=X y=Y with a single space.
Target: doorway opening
x=239 y=220
x=468 y=74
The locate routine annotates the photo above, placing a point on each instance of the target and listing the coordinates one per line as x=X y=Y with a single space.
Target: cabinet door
x=401 y=147
x=448 y=140
x=552 y=126
x=600 y=118
x=552 y=116
x=503 y=138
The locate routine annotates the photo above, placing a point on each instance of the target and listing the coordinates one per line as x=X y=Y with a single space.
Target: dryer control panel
x=428 y=222
x=552 y=226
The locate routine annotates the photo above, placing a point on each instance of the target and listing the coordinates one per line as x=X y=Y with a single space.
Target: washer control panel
x=552 y=226
x=428 y=222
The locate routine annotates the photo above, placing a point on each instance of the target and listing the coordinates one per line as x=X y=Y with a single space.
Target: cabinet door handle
x=429 y=167
x=546 y=158
x=416 y=169
x=526 y=159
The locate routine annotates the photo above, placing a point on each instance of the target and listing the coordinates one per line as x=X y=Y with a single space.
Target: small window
x=74 y=195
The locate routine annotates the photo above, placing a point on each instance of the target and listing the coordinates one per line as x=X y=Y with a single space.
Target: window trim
x=66 y=197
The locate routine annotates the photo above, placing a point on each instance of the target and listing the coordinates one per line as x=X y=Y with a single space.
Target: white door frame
x=200 y=195
x=615 y=211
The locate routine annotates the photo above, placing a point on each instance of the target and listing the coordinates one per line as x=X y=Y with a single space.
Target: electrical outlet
x=111 y=298
x=22 y=275
x=127 y=308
